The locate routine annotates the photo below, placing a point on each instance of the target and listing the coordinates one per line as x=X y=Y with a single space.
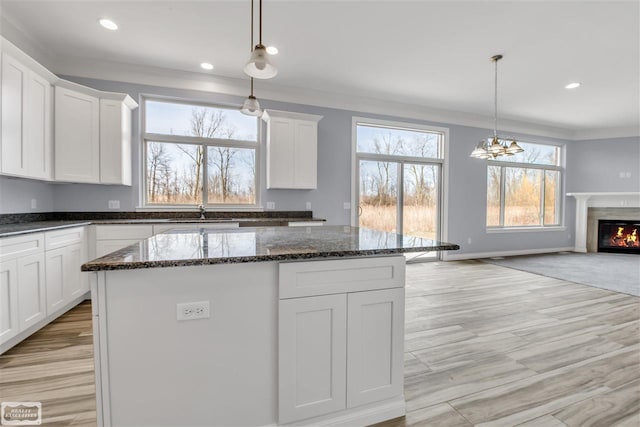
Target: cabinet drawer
x=302 y=279
x=116 y=232
x=61 y=238
x=14 y=247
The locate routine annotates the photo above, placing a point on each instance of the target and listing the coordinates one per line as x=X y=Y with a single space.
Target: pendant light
x=495 y=146
x=251 y=106
x=259 y=65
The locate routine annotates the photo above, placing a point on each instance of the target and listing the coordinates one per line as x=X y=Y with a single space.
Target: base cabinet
x=340 y=351
x=312 y=362
x=31 y=290
x=9 y=323
x=65 y=281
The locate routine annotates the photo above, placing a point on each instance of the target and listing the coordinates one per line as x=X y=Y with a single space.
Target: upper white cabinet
x=92 y=135
x=115 y=141
x=77 y=136
x=26 y=146
x=72 y=133
x=292 y=150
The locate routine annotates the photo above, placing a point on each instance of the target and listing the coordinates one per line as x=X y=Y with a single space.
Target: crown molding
x=606 y=133
x=189 y=80
x=155 y=76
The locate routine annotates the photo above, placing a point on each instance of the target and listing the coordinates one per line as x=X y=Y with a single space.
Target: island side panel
x=216 y=371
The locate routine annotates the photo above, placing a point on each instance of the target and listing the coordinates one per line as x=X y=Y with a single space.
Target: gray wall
x=466 y=192
x=16 y=195
x=596 y=165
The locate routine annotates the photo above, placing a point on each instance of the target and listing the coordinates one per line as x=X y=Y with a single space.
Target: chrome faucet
x=203 y=211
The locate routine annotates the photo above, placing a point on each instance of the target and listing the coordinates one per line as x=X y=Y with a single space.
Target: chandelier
x=496 y=146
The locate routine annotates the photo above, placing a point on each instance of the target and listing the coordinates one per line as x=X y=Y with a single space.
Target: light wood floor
x=485 y=345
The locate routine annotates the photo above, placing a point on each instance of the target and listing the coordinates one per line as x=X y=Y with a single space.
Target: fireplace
x=619 y=236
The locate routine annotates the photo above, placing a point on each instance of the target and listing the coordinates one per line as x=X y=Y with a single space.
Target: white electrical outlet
x=347 y=206
x=34 y=203
x=271 y=205
x=308 y=205
x=469 y=240
x=114 y=204
x=193 y=310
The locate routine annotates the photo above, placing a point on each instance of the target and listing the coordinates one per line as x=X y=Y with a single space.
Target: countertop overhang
x=178 y=248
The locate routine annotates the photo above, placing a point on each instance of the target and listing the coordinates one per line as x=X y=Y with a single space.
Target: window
x=398 y=177
x=196 y=154
x=524 y=190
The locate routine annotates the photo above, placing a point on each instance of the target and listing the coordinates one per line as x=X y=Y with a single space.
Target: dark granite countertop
x=8 y=230
x=201 y=247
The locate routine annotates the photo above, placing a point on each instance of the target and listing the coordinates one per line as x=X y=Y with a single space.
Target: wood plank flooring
x=485 y=345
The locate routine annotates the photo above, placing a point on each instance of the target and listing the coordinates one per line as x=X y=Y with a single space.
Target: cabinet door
x=115 y=143
x=76 y=283
x=55 y=262
x=312 y=356
x=280 y=153
x=14 y=77
x=375 y=346
x=37 y=129
x=31 y=290
x=9 y=323
x=77 y=137
x=306 y=155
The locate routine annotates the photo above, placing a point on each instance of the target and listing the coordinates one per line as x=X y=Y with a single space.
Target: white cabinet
x=64 y=256
x=312 y=362
x=31 y=290
x=115 y=142
x=9 y=323
x=110 y=238
x=77 y=136
x=292 y=150
x=375 y=327
x=26 y=121
x=92 y=135
x=329 y=321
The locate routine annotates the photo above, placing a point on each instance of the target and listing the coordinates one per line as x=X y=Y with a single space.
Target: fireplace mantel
x=584 y=201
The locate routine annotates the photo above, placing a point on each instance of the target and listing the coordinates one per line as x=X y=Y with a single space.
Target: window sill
x=525 y=229
x=232 y=208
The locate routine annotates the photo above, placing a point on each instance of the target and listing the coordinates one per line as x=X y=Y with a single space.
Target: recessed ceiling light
x=272 y=50
x=572 y=85
x=108 y=24
x=206 y=66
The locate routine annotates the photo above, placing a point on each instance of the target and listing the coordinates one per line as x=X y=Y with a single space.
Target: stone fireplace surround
x=590 y=207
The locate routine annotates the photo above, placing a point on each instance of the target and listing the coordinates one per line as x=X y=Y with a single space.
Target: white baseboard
x=361 y=416
x=448 y=256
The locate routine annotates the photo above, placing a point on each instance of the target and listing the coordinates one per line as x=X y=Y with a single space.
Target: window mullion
x=543 y=183
x=205 y=175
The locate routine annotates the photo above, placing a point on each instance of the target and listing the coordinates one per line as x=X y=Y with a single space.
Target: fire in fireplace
x=619 y=236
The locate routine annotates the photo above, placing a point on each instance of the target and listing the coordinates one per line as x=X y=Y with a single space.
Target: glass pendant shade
x=496 y=148
x=514 y=148
x=479 y=152
x=259 y=66
x=251 y=107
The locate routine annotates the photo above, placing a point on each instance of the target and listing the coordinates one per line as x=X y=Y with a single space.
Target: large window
x=398 y=177
x=196 y=154
x=524 y=190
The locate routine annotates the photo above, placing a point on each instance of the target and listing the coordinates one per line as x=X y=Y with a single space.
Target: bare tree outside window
x=210 y=161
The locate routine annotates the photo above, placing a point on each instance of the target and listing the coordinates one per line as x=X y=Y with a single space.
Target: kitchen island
x=252 y=326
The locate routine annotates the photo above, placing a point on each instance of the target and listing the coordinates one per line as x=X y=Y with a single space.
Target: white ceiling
x=428 y=53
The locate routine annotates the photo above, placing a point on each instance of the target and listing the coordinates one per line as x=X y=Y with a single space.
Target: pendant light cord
x=495 y=102
x=251 y=45
x=260 y=25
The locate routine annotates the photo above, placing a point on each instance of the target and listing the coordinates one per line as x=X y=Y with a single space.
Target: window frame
x=146 y=137
x=442 y=160
x=559 y=214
